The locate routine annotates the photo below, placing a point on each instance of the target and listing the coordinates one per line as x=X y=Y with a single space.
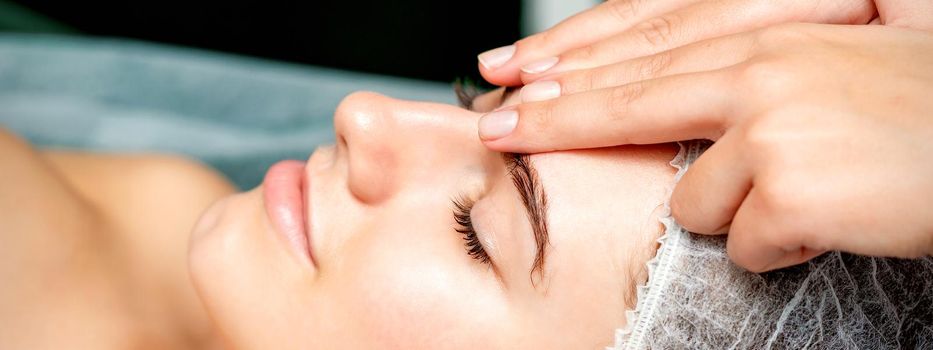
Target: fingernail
x=540 y=91
x=495 y=58
x=540 y=66
x=497 y=125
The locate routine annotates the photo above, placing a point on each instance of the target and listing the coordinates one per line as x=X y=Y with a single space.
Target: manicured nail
x=497 y=125
x=540 y=66
x=540 y=91
x=495 y=58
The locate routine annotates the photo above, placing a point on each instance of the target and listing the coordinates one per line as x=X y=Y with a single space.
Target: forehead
x=604 y=201
x=603 y=207
x=608 y=179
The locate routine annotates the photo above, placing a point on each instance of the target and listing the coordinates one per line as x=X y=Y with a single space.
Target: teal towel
x=237 y=114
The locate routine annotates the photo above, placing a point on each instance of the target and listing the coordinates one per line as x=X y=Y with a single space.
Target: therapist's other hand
x=624 y=29
x=824 y=136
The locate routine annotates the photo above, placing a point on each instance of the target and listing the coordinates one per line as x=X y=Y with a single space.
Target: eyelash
x=462 y=208
x=467 y=90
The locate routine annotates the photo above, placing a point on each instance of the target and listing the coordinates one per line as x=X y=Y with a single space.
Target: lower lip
x=283 y=191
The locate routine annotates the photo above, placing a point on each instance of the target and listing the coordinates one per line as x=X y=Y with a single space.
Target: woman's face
x=390 y=266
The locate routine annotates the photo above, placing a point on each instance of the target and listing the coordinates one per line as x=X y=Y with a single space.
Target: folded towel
x=235 y=113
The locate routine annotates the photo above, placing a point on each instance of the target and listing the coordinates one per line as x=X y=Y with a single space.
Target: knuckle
x=581 y=54
x=761 y=137
x=579 y=81
x=623 y=10
x=780 y=36
x=537 y=118
x=655 y=65
x=621 y=97
x=781 y=204
x=658 y=31
x=768 y=147
x=772 y=235
x=764 y=77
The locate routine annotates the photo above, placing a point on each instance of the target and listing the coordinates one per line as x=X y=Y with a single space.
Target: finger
x=759 y=241
x=702 y=56
x=708 y=195
x=679 y=107
x=502 y=67
x=693 y=23
x=916 y=14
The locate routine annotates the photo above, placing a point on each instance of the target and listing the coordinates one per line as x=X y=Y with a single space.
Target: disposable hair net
x=695 y=298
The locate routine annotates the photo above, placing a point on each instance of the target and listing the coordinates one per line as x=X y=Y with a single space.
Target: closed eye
x=525 y=178
x=462 y=208
x=468 y=92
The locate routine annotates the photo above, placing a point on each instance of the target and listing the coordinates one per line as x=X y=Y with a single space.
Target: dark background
x=425 y=39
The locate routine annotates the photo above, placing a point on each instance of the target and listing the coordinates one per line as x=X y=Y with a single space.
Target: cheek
x=418 y=294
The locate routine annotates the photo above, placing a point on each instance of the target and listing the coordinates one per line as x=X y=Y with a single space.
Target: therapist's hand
x=824 y=135
x=624 y=29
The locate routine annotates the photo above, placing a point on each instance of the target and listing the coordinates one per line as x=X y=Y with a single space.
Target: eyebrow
x=525 y=178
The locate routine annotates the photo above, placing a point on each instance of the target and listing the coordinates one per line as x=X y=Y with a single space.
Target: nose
x=390 y=144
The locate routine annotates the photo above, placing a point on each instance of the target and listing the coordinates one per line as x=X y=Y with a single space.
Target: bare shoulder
x=118 y=182
x=86 y=183
x=150 y=201
x=32 y=190
x=101 y=176
x=45 y=228
x=126 y=218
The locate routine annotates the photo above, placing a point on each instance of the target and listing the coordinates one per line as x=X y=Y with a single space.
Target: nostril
x=371 y=175
x=342 y=147
x=364 y=128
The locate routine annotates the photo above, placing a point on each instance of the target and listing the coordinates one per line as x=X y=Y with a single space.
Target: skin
x=619 y=30
x=94 y=248
x=108 y=269
x=389 y=271
x=785 y=179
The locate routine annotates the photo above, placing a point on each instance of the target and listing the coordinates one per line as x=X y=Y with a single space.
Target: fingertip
x=503 y=76
x=788 y=259
x=496 y=58
x=497 y=124
x=685 y=210
x=496 y=145
x=540 y=66
x=517 y=70
x=540 y=91
x=754 y=259
x=499 y=66
x=509 y=145
x=764 y=258
x=753 y=243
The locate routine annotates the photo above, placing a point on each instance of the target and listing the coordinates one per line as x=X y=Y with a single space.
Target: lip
x=284 y=190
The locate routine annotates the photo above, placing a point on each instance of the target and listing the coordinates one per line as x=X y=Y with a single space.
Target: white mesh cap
x=695 y=298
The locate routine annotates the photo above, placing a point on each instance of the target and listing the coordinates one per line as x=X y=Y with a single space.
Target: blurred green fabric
x=15 y=18
x=238 y=114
